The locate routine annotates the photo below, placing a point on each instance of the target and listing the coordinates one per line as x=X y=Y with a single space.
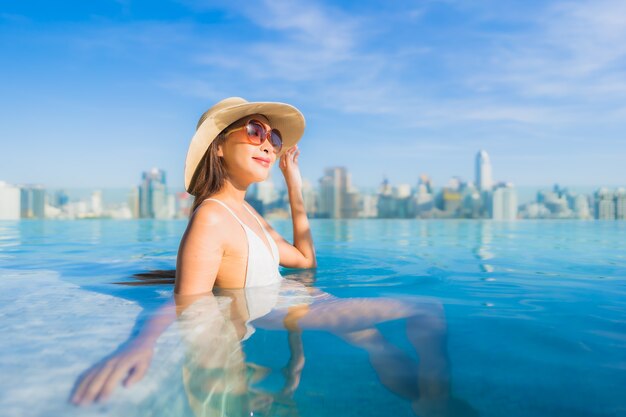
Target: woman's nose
x=266 y=145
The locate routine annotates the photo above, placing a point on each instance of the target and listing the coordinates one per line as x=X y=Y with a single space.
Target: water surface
x=533 y=317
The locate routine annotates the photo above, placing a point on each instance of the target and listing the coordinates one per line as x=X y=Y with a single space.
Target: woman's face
x=243 y=160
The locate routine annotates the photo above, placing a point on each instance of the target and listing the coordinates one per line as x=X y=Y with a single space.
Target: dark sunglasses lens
x=256 y=131
x=277 y=140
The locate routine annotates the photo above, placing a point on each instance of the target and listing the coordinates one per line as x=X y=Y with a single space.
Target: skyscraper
x=96 y=203
x=337 y=198
x=605 y=204
x=484 y=179
x=504 y=202
x=620 y=204
x=33 y=200
x=153 y=202
x=9 y=202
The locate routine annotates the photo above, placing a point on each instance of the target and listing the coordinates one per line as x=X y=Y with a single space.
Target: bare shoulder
x=209 y=213
x=201 y=250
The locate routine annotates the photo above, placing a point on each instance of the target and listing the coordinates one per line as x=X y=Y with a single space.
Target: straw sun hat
x=283 y=117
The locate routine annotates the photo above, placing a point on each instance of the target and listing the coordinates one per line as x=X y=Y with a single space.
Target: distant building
x=451 y=199
x=556 y=202
x=153 y=200
x=386 y=202
x=504 y=203
x=133 y=202
x=96 y=203
x=427 y=182
x=620 y=204
x=424 y=198
x=471 y=204
x=484 y=178
x=605 y=204
x=32 y=201
x=581 y=207
x=338 y=199
x=369 y=206
x=10 y=202
x=60 y=199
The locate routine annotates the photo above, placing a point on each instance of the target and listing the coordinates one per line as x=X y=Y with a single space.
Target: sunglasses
x=257 y=134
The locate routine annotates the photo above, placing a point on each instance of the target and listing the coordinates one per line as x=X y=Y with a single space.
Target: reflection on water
x=218 y=380
x=482 y=250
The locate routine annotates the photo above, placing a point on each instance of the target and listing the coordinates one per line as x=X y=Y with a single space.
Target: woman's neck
x=231 y=193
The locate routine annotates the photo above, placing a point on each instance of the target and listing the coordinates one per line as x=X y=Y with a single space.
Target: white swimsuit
x=262 y=266
x=265 y=289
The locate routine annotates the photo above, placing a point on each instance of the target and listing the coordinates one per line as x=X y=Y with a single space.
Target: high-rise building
x=153 y=200
x=620 y=204
x=33 y=201
x=424 y=200
x=60 y=199
x=451 y=200
x=96 y=203
x=337 y=197
x=484 y=179
x=581 y=207
x=471 y=202
x=369 y=207
x=427 y=182
x=10 y=201
x=504 y=202
x=385 y=203
x=605 y=204
x=133 y=202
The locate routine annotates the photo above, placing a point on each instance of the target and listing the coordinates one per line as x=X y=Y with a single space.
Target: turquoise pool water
x=512 y=319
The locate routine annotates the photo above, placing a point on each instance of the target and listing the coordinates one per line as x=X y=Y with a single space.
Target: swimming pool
x=530 y=320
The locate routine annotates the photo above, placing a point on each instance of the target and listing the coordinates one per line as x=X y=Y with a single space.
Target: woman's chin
x=261 y=174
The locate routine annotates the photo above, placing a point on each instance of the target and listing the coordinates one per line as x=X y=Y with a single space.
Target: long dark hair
x=210 y=174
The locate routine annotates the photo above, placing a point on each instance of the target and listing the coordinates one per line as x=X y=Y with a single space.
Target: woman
x=228 y=250
x=227 y=243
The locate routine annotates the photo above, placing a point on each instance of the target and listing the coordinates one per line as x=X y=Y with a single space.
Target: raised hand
x=289 y=167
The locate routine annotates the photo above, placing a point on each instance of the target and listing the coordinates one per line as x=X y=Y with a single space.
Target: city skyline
x=386 y=87
x=335 y=197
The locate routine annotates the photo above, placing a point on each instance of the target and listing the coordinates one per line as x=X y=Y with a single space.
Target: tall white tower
x=484 y=180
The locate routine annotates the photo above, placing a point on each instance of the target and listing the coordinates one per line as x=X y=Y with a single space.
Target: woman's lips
x=263 y=161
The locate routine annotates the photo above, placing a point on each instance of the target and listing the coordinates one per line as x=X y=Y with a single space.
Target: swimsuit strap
x=246 y=227
x=227 y=208
x=255 y=218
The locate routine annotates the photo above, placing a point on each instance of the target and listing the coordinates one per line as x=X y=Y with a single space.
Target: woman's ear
x=220 y=152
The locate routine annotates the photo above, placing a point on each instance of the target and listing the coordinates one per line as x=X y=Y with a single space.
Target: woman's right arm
x=200 y=252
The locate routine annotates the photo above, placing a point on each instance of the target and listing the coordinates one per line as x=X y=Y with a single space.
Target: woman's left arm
x=300 y=254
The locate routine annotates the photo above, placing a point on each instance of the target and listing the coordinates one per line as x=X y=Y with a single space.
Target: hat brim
x=284 y=117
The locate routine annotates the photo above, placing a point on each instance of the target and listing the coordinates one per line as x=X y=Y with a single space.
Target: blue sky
x=94 y=92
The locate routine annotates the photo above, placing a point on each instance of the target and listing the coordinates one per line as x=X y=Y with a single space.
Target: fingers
x=290 y=155
x=111 y=382
x=136 y=374
x=90 y=386
x=82 y=385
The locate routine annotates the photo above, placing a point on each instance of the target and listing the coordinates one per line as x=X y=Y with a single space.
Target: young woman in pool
x=227 y=243
x=229 y=251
